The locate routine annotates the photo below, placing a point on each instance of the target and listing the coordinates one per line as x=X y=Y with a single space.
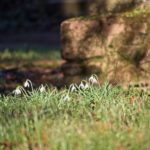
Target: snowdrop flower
x=81 y=86
x=42 y=88
x=66 y=98
x=72 y=88
x=26 y=84
x=93 y=79
x=17 y=91
x=86 y=86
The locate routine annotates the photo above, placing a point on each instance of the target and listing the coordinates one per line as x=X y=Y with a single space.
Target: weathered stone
x=104 y=6
x=123 y=53
x=72 y=68
x=73 y=79
x=120 y=5
x=145 y=63
x=81 y=39
x=92 y=66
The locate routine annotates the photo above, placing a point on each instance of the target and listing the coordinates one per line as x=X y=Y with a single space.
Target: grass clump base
x=88 y=116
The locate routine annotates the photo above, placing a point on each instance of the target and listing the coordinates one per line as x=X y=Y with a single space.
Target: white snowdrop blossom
x=42 y=88
x=86 y=86
x=26 y=84
x=81 y=86
x=72 y=88
x=93 y=80
x=17 y=91
x=66 y=98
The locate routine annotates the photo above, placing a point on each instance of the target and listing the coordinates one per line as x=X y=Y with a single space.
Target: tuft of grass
x=28 y=58
x=92 y=118
x=30 y=54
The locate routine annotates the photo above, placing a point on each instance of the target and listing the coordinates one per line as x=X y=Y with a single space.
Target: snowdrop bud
x=86 y=86
x=81 y=86
x=42 y=88
x=66 y=98
x=93 y=80
x=26 y=84
x=72 y=88
x=17 y=91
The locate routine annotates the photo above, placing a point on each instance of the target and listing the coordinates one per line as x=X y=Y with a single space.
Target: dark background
x=36 y=23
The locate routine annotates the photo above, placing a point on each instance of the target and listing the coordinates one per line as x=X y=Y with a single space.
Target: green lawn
x=29 y=54
x=96 y=118
x=35 y=64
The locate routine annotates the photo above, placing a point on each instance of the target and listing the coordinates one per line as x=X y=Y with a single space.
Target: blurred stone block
x=81 y=39
x=116 y=47
x=72 y=68
x=105 y=6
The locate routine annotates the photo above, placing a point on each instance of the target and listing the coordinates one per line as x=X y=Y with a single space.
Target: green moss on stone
x=138 y=11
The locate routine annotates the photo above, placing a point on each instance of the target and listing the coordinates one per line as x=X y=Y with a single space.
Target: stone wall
x=101 y=6
x=116 y=47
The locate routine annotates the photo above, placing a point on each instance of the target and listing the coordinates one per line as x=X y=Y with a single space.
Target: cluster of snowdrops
x=84 y=85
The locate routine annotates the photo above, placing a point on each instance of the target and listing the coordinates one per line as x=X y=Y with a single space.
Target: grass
x=97 y=118
x=36 y=64
x=29 y=54
x=26 y=58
